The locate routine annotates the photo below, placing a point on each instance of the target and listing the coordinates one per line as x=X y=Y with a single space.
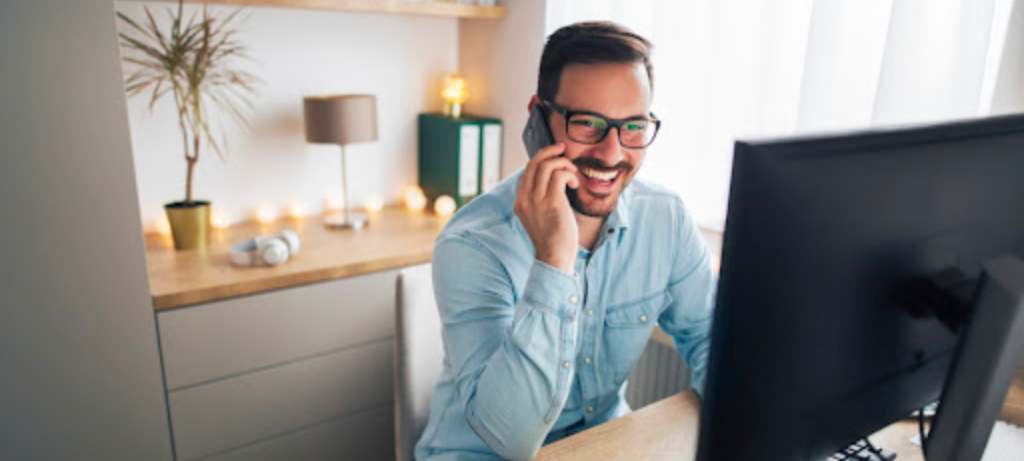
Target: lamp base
x=355 y=221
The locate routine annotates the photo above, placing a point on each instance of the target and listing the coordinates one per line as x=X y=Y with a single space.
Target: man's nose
x=609 y=150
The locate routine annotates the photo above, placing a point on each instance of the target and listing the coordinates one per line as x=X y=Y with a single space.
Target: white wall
x=500 y=60
x=401 y=59
x=934 y=66
x=1008 y=94
x=78 y=347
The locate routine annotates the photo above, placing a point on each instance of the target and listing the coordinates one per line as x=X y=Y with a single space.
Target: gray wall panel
x=78 y=342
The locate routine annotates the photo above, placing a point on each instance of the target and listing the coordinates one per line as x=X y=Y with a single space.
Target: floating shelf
x=423 y=8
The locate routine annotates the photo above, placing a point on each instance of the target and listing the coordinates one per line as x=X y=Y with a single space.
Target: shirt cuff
x=553 y=289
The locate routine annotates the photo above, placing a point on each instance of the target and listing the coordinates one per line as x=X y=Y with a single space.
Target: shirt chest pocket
x=628 y=326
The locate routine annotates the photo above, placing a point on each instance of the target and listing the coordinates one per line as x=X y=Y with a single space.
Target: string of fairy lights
x=413 y=200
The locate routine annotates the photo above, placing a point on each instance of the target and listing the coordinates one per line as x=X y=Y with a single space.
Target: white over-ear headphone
x=266 y=250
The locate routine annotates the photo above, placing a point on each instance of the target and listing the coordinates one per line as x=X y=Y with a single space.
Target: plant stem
x=184 y=140
x=192 y=162
x=188 y=180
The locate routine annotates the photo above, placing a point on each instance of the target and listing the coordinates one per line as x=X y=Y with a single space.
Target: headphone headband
x=266 y=250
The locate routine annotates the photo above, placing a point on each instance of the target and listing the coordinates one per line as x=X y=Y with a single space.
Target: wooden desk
x=667 y=430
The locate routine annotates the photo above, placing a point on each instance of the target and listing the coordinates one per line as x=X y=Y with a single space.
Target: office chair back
x=419 y=355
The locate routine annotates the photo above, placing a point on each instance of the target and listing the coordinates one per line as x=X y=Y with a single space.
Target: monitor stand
x=988 y=353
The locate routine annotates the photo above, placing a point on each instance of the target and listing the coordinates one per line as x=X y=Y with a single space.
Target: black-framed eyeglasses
x=587 y=127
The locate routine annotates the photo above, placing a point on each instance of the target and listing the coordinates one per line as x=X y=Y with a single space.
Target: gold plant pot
x=190 y=224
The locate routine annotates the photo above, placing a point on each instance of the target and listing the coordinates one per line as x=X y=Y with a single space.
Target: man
x=549 y=285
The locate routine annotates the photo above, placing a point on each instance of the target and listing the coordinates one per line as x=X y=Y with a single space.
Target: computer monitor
x=850 y=268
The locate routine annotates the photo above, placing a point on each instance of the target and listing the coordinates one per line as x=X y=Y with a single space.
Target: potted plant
x=192 y=62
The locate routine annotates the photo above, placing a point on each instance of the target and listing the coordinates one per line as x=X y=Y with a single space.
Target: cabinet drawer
x=223 y=338
x=367 y=436
x=225 y=415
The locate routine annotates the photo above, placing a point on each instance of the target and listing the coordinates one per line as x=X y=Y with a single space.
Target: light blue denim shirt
x=533 y=354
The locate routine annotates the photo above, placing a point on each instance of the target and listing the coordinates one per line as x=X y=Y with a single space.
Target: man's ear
x=534 y=100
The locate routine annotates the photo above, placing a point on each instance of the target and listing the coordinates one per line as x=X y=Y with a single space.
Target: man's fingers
x=553 y=150
x=545 y=172
x=559 y=180
x=529 y=178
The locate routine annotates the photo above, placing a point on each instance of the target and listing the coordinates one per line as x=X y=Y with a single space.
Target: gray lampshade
x=340 y=119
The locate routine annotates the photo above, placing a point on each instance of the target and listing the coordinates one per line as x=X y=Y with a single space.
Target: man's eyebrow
x=594 y=112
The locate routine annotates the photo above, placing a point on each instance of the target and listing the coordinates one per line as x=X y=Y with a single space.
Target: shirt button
x=590 y=409
x=643 y=318
x=590 y=313
x=573 y=299
x=576 y=274
x=586 y=360
x=565 y=364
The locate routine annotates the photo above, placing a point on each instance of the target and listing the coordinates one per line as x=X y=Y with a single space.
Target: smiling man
x=550 y=285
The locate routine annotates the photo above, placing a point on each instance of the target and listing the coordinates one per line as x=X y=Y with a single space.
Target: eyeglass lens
x=590 y=129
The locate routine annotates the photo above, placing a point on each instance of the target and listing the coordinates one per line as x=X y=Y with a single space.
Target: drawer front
x=224 y=338
x=225 y=415
x=367 y=436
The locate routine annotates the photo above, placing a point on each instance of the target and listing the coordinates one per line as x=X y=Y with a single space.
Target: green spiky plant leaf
x=193 y=63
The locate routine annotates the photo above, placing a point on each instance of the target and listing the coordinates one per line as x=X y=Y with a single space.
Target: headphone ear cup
x=292 y=240
x=272 y=251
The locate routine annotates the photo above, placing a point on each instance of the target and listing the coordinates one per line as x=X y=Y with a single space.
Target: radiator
x=659 y=373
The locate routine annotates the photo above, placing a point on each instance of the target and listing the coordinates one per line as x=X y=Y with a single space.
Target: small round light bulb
x=444 y=206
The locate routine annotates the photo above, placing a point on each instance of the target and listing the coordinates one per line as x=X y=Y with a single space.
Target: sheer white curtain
x=734 y=69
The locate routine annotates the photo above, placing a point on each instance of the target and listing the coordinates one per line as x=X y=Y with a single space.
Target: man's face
x=616 y=91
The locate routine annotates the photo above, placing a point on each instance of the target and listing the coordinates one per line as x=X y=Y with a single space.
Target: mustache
x=595 y=164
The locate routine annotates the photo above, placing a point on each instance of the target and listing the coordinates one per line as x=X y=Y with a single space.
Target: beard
x=598 y=207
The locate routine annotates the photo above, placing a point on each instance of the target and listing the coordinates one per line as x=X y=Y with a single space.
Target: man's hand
x=544 y=209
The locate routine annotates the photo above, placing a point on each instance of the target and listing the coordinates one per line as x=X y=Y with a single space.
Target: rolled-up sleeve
x=512 y=362
x=692 y=287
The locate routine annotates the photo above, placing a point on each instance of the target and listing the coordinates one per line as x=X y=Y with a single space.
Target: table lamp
x=342 y=120
x=454 y=94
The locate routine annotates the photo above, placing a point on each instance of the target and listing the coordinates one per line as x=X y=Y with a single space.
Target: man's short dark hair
x=589 y=43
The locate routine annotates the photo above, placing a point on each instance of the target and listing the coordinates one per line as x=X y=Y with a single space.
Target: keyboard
x=860 y=451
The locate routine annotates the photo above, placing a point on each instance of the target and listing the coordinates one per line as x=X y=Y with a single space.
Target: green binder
x=459 y=157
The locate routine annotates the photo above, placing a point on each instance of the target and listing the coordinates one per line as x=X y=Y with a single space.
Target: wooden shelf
x=394 y=238
x=424 y=8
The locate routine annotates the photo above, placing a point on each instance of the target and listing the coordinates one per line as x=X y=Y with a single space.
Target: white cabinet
x=303 y=373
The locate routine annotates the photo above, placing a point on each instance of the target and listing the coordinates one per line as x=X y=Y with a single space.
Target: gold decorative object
x=190 y=224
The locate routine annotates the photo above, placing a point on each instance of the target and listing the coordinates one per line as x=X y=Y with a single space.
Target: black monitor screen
x=815 y=343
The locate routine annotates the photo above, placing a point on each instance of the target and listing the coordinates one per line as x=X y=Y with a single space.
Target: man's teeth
x=600 y=175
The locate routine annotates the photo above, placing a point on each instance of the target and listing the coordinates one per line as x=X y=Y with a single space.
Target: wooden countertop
x=394 y=238
x=667 y=430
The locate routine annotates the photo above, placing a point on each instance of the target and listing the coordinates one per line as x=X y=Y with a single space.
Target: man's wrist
x=563 y=264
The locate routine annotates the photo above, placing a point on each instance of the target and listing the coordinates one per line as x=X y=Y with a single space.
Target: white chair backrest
x=419 y=356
